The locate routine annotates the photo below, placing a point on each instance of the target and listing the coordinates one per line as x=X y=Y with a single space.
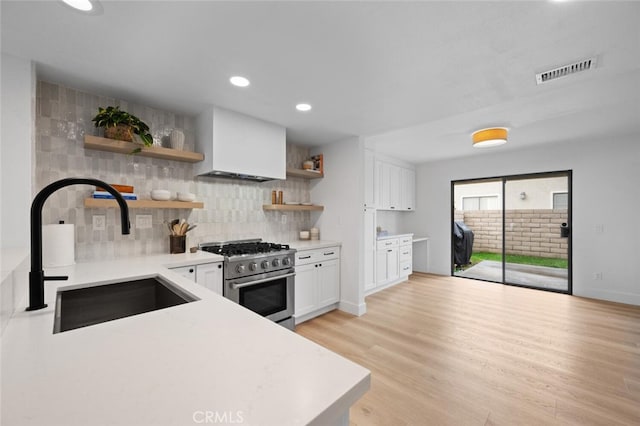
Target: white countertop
x=302 y=245
x=386 y=237
x=167 y=366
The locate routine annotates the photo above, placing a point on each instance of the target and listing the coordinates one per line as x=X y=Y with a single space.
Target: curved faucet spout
x=36 y=276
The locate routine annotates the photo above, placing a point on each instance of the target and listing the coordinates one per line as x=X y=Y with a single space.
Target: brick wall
x=528 y=232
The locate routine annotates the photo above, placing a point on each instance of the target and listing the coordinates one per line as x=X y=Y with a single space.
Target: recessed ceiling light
x=83 y=5
x=239 y=81
x=303 y=107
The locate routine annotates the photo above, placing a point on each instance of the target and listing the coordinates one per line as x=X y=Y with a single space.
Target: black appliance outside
x=462 y=243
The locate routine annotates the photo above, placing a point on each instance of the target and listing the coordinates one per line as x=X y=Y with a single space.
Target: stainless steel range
x=259 y=276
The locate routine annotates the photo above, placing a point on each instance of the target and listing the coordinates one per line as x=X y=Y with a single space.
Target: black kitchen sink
x=87 y=306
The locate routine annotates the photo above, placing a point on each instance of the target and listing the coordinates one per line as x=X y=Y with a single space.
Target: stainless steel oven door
x=269 y=294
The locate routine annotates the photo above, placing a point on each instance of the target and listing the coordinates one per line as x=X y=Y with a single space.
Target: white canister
x=315 y=233
x=304 y=235
x=176 y=139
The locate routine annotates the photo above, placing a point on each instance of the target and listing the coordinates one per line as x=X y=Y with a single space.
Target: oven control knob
x=253 y=266
x=240 y=268
x=276 y=263
x=265 y=264
x=286 y=261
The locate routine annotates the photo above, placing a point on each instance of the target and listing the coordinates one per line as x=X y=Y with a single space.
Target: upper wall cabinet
x=388 y=186
x=408 y=184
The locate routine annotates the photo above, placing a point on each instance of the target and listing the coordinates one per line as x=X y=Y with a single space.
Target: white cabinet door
x=395 y=186
x=186 y=271
x=305 y=294
x=381 y=190
x=408 y=190
x=369 y=249
x=389 y=179
x=209 y=275
x=369 y=179
x=393 y=264
x=328 y=282
x=387 y=265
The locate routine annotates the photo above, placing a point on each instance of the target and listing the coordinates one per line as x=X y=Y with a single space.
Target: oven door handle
x=264 y=280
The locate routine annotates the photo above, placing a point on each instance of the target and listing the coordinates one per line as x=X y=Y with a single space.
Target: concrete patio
x=529 y=275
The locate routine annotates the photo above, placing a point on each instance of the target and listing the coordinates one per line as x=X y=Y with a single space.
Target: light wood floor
x=451 y=351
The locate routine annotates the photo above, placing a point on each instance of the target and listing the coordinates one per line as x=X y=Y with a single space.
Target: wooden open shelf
x=291 y=207
x=142 y=204
x=122 y=147
x=291 y=172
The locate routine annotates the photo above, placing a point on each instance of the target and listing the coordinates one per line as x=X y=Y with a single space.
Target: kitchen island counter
x=187 y=364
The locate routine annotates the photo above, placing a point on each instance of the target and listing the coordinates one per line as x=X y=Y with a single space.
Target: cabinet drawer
x=406 y=269
x=330 y=253
x=387 y=244
x=406 y=240
x=317 y=255
x=307 y=256
x=405 y=253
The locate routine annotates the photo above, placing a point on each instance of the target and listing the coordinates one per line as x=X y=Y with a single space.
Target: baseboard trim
x=352 y=308
x=610 y=296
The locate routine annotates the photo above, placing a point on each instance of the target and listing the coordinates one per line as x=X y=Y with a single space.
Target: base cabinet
x=306 y=299
x=329 y=282
x=392 y=262
x=387 y=265
x=208 y=275
x=317 y=289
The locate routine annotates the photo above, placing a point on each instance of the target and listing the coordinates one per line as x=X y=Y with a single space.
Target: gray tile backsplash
x=233 y=208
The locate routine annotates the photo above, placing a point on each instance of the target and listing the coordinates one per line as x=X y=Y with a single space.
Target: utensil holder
x=177 y=244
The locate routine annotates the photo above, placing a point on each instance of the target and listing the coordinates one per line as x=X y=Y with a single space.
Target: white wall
x=341 y=192
x=17 y=88
x=16 y=153
x=605 y=196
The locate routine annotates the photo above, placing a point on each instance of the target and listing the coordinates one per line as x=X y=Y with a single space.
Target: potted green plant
x=122 y=126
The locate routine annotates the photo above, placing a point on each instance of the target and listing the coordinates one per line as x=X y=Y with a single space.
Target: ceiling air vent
x=565 y=70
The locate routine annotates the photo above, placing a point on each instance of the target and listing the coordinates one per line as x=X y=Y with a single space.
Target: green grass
x=516 y=258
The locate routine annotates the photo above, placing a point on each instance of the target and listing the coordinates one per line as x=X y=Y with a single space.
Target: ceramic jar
x=176 y=139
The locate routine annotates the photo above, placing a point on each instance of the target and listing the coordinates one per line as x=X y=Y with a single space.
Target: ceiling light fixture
x=303 y=107
x=486 y=138
x=83 y=5
x=239 y=81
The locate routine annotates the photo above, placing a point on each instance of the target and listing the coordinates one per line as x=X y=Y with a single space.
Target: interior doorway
x=513 y=230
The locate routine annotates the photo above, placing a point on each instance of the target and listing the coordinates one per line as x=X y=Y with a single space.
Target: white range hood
x=239 y=146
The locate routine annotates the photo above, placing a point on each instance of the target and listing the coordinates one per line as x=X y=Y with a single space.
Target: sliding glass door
x=514 y=230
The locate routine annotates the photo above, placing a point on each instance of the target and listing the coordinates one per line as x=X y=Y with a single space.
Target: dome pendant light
x=486 y=138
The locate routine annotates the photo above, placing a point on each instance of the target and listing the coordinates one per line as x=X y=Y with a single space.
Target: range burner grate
x=237 y=249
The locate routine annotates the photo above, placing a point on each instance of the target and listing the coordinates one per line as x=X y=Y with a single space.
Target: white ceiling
x=418 y=77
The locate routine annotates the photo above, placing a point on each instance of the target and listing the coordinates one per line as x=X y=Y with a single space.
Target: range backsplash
x=233 y=208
